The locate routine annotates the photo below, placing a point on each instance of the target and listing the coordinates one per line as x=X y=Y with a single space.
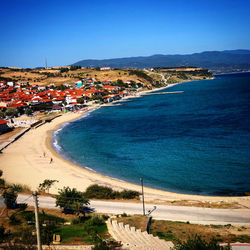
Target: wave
x=56 y=146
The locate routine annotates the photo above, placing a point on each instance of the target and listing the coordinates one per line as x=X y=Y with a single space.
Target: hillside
x=68 y=75
x=217 y=61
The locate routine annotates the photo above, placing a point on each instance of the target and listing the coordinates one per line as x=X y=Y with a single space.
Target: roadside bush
x=100 y=192
x=129 y=194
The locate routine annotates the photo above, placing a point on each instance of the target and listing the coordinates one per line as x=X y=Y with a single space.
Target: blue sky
x=67 y=31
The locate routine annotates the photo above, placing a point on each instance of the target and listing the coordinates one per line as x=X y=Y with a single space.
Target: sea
x=193 y=142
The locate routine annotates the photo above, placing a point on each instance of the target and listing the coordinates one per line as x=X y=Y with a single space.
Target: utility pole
x=46 y=65
x=143 y=205
x=39 y=246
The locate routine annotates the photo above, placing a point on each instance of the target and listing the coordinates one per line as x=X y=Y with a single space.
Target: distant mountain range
x=216 y=61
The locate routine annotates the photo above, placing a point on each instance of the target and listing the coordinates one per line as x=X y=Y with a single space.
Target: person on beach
x=44 y=154
x=50 y=160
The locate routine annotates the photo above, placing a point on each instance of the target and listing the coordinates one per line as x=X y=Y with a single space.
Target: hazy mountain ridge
x=225 y=61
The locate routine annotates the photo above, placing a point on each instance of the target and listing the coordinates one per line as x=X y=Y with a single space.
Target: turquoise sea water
x=196 y=142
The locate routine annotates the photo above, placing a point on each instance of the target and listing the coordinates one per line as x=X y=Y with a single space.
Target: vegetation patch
x=141 y=74
x=175 y=231
x=101 y=192
x=83 y=232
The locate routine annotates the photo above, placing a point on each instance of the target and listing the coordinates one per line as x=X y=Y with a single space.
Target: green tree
x=11 y=112
x=71 y=199
x=10 y=197
x=16 y=188
x=2 y=114
x=75 y=67
x=80 y=100
x=46 y=185
x=28 y=111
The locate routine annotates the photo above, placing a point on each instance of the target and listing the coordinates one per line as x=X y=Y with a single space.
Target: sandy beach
x=24 y=162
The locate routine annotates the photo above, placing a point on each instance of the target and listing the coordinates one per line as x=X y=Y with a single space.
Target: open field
x=57 y=76
x=171 y=230
x=46 y=77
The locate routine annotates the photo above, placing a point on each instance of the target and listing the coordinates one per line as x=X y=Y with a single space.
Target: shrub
x=91 y=224
x=198 y=243
x=14 y=220
x=28 y=215
x=105 y=217
x=95 y=221
x=100 y=244
x=100 y=192
x=129 y=194
x=75 y=221
x=3 y=235
x=22 y=206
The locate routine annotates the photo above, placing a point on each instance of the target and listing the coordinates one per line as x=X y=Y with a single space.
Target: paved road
x=164 y=212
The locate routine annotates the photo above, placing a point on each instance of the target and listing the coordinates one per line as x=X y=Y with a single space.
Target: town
x=18 y=97
x=23 y=92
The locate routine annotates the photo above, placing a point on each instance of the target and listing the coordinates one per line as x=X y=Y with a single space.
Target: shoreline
x=23 y=163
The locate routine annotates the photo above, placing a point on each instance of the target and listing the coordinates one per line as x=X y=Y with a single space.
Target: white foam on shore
x=56 y=146
x=90 y=169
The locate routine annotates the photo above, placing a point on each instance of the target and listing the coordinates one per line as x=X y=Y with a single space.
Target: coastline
x=23 y=162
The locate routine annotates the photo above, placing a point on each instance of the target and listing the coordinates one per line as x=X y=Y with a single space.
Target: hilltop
x=216 y=61
x=68 y=75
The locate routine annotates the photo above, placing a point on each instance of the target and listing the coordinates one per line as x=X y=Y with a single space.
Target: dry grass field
x=53 y=76
x=172 y=230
